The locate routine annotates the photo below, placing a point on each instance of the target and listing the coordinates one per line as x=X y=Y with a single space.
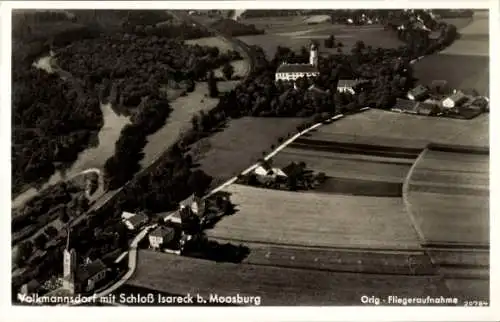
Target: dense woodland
x=233 y=28
x=172 y=178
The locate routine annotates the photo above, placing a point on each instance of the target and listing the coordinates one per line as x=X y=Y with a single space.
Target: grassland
x=449 y=197
x=461 y=71
x=227 y=153
x=316 y=219
x=464 y=64
x=292 y=32
x=276 y=286
x=183 y=108
x=383 y=126
x=474 y=40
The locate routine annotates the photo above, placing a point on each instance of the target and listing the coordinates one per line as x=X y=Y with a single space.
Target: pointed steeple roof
x=68 y=238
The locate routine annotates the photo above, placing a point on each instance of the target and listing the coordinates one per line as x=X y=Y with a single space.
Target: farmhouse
x=136 y=221
x=195 y=203
x=265 y=170
x=161 y=236
x=454 y=100
x=418 y=93
x=290 y=72
x=82 y=278
x=349 y=85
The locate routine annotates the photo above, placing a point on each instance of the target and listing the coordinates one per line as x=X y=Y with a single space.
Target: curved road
x=132 y=263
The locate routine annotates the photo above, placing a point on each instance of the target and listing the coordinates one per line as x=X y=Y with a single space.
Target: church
x=290 y=72
x=81 y=278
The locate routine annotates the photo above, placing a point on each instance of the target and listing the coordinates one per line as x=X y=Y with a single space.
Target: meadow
x=241 y=143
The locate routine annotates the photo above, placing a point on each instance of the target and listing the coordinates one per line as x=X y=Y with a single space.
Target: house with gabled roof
x=418 y=93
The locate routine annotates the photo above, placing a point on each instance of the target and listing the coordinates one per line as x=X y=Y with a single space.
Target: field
x=416 y=131
x=227 y=153
x=474 y=40
x=316 y=219
x=449 y=197
x=348 y=172
x=241 y=67
x=183 y=108
x=276 y=286
x=294 y=32
x=461 y=71
x=340 y=259
x=464 y=64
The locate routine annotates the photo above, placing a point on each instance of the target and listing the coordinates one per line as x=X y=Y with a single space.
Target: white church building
x=290 y=72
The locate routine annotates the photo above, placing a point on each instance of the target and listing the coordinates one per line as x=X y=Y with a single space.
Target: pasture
x=316 y=219
x=299 y=34
x=465 y=63
x=449 y=197
x=183 y=108
x=241 y=143
x=276 y=286
x=412 y=130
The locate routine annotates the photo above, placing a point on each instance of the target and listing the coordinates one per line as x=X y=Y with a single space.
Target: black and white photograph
x=210 y=157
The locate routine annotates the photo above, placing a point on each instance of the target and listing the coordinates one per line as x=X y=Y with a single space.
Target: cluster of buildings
x=422 y=100
x=292 y=72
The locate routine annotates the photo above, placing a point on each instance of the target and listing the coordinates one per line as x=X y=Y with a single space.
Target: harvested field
x=277 y=286
x=241 y=144
x=449 y=197
x=341 y=260
x=315 y=219
x=183 y=108
x=381 y=125
x=472 y=73
x=469 y=289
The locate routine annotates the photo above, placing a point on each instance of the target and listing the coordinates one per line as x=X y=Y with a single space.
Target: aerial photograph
x=320 y=157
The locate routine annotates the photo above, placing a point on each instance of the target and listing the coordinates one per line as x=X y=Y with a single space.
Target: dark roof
x=419 y=90
x=163 y=231
x=138 y=219
x=32 y=285
x=189 y=200
x=426 y=108
x=405 y=105
x=350 y=82
x=296 y=68
x=88 y=270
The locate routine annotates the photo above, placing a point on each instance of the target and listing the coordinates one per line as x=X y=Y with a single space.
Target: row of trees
x=149 y=117
x=234 y=28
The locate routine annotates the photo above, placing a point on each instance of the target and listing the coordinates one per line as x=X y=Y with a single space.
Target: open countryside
x=304 y=157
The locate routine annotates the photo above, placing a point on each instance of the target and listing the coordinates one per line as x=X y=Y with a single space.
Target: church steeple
x=69 y=264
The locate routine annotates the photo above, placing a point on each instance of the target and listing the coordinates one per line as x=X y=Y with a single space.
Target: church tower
x=313 y=55
x=69 y=266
